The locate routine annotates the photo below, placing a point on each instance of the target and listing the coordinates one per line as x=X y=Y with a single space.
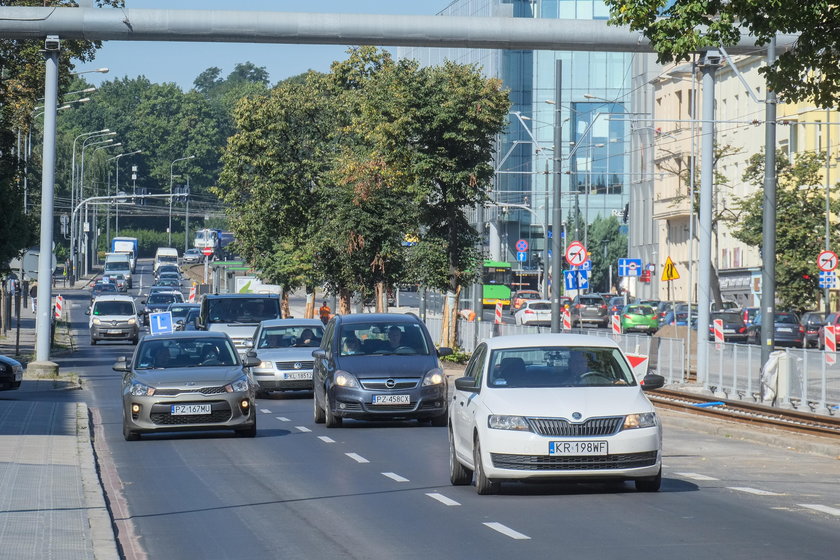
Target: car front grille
x=572 y=463
x=380 y=384
x=391 y=407
x=166 y=419
x=202 y=390
x=561 y=427
x=294 y=366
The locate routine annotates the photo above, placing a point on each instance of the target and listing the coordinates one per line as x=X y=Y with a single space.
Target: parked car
x=192 y=256
x=378 y=366
x=589 y=309
x=812 y=321
x=832 y=319
x=553 y=406
x=534 y=312
x=11 y=373
x=113 y=318
x=734 y=329
x=786 y=329
x=179 y=381
x=639 y=318
x=101 y=289
x=748 y=314
x=518 y=299
x=284 y=348
x=159 y=301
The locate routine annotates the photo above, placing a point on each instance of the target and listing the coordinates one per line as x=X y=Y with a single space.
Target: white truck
x=118 y=263
x=165 y=255
x=126 y=245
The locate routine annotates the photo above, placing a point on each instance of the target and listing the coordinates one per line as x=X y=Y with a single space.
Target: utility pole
x=557 y=219
x=187 y=217
x=768 y=274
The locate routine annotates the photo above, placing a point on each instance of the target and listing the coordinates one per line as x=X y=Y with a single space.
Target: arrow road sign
x=583 y=279
x=521 y=256
x=576 y=253
x=571 y=279
x=629 y=267
x=827 y=261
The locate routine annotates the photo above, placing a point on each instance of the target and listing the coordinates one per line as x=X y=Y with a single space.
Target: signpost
x=576 y=254
x=669 y=271
x=629 y=267
x=827 y=261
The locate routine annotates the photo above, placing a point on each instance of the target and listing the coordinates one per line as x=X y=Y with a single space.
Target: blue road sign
x=587 y=265
x=828 y=279
x=549 y=253
x=160 y=323
x=629 y=267
x=521 y=256
x=583 y=279
x=522 y=246
x=571 y=279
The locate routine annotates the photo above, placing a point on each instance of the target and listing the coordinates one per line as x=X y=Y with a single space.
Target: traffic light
x=626 y=213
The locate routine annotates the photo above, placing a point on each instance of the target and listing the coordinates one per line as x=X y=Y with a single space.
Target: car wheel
x=440 y=421
x=92 y=341
x=317 y=411
x=330 y=419
x=135 y=340
x=248 y=432
x=459 y=475
x=483 y=485
x=651 y=484
x=129 y=435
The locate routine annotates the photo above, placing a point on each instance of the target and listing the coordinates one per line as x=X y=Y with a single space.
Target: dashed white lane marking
x=282 y=418
x=326 y=439
x=507 y=531
x=755 y=491
x=823 y=509
x=356 y=457
x=695 y=476
x=265 y=411
x=443 y=499
x=303 y=428
x=395 y=476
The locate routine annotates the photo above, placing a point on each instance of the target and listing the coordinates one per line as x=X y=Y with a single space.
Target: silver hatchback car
x=187 y=381
x=284 y=348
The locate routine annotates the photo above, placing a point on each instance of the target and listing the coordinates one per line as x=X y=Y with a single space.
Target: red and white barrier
x=567 y=320
x=616 y=324
x=830 y=342
x=59 y=306
x=717 y=329
x=498 y=319
x=191 y=299
x=639 y=363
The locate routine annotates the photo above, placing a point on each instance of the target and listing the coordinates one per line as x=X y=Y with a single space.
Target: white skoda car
x=555 y=406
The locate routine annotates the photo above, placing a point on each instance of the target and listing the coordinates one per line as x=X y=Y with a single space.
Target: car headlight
x=433 y=377
x=96 y=321
x=238 y=386
x=641 y=420
x=138 y=389
x=344 y=379
x=266 y=365
x=502 y=422
x=132 y=321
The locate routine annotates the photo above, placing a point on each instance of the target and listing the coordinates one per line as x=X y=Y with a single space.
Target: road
x=374 y=490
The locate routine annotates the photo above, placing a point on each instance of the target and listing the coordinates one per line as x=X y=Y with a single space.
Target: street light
x=171 y=167
x=116 y=192
x=100 y=70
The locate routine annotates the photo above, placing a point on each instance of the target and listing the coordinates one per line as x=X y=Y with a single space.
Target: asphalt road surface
x=381 y=490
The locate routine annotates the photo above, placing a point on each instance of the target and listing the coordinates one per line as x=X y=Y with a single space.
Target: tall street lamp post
x=171 y=177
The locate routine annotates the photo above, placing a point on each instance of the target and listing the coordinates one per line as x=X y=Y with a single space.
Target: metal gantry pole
x=827 y=292
x=43 y=323
x=557 y=217
x=709 y=65
x=768 y=274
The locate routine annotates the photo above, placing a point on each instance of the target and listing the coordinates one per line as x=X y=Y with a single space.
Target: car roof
x=240 y=296
x=361 y=318
x=548 y=339
x=291 y=322
x=184 y=304
x=114 y=298
x=185 y=335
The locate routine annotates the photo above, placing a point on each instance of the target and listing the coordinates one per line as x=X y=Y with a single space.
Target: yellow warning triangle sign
x=670 y=271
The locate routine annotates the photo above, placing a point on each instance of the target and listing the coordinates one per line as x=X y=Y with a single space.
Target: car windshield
x=290 y=336
x=528 y=295
x=113 y=308
x=382 y=338
x=727 y=317
x=185 y=352
x=786 y=318
x=558 y=366
x=167 y=282
x=243 y=310
x=102 y=288
x=639 y=310
x=179 y=311
x=540 y=305
x=161 y=298
x=118 y=265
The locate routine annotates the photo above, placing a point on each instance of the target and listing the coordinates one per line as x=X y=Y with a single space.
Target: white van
x=165 y=255
x=118 y=263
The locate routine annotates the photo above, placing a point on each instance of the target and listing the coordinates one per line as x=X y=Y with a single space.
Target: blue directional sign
x=587 y=265
x=583 y=279
x=521 y=256
x=828 y=279
x=160 y=323
x=629 y=267
x=576 y=279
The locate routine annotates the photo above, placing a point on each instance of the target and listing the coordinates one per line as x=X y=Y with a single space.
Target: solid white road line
x=265 y=411
x=356 y=457
x=443 y=499
x=755 y=491
x=823 y=509
x=507 y=531
x=395 y=476
x=282 y=418
x=695 y=476
x=303 y=428
x=326 y=439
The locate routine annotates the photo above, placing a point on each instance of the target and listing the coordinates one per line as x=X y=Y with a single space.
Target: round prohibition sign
x=827 y=261
x=576 y=253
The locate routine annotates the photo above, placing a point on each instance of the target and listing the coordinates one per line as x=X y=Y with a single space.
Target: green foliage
x=607 y=245
x=148 y=240
x=799 y=240
x=458 y=356
x=678 y=28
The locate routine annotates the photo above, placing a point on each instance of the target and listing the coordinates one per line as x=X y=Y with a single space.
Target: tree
x=609 y=244
x=800 y=231
x=808 y=70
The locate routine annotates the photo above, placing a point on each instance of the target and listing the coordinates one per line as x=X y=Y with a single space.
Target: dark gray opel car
x=378 y=366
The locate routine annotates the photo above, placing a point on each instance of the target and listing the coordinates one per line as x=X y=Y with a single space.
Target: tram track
x=748 y=413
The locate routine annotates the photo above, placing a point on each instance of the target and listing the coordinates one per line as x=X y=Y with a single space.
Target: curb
x=99 y=516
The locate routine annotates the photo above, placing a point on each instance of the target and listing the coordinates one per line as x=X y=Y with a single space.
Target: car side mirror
x=143 y=301
x=248 y=344
x=652 y=381
x=319 y=353
x=250 y=361
x=87 y=312
x=444 y=351
x=121 y=364
x=466 y=384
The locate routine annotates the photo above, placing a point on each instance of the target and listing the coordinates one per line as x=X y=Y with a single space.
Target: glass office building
x=594 y=101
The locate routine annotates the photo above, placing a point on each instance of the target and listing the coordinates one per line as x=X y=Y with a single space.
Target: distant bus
x=496 y=277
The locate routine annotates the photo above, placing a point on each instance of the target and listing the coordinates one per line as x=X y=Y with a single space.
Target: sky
x=182 y=62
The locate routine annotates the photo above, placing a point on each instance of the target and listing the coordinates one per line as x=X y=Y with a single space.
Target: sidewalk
x=51 y=499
